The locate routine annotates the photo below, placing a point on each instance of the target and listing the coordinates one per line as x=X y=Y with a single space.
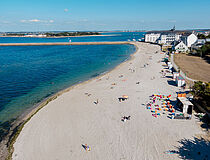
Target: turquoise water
x=29 y=74
x=112 y=36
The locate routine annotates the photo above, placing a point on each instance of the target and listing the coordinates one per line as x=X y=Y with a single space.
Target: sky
x=102 y=15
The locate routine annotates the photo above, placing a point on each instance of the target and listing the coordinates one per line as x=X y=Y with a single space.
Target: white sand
x=59 y=129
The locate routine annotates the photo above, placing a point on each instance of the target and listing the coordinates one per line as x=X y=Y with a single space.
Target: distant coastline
x=59 y=36
x=61 y=43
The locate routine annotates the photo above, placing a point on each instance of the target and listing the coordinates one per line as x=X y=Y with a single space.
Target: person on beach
x=125 y=118
x=96 y=102
x=86 y=147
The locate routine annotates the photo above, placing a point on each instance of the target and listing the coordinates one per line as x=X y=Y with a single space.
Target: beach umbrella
x=125 y=96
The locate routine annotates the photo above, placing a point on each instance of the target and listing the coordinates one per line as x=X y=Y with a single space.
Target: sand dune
x=59 y=129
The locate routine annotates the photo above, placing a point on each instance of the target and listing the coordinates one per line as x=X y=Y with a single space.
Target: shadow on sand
x=196 y=149
x=205 y=121
x=171 y=82
x=207 y=59
x=170 y=77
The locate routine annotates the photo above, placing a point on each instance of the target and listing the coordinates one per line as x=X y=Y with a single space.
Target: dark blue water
x=29 y=74
x=113 y=36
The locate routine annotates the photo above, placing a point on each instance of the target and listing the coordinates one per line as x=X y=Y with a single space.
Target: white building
x=189 y=39
x=175 y=74
x=152 y=37
x=180 y=81
x=162 y=37
x=207 y=39
x=185 y=105
x=180 y=47
x=198 y=44
x=168 y=38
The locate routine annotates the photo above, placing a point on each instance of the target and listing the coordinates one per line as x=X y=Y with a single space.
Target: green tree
x=205 y=49
x=201 y=36
x=201 y=92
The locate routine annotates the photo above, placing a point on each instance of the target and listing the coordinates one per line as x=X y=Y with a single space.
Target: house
x=151 y=37
x=201 y=41
x=185 y=105
x=179 y=47
x=168 y=38
x=180 y=81
x=175 y=74
x=162 y=37
x=207 y=39
x=169 y=65
x=198 y=44
x=189 y=38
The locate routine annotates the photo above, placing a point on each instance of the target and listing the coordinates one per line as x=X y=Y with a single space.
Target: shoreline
x=55 y=95
x=29 y=113
x=97 y=113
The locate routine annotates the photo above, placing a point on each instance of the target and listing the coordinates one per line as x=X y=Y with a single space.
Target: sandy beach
x=60 y=128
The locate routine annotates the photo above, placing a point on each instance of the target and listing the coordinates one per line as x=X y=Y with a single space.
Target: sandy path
x=59 y=129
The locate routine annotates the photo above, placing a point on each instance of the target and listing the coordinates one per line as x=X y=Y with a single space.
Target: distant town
x=189 y=56
x=46 y=34
x=179 y=41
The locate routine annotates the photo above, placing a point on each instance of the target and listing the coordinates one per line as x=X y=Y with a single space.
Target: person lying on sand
x=96 y=102
x=125 y=118
x=88 y=94
x=86 y=147
x=122 y=99
x=120 y=76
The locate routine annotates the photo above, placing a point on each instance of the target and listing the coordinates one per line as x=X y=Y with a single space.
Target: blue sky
x=51 y=15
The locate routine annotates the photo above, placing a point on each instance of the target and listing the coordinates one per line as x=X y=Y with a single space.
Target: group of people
x=125 y=118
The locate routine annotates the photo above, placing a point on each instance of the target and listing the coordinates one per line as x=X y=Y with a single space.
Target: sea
x=31 y=74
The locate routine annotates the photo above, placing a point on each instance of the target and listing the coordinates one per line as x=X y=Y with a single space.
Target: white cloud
x=31 y=20
x=36 y=20
x=172 y=21
x=66 y=10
